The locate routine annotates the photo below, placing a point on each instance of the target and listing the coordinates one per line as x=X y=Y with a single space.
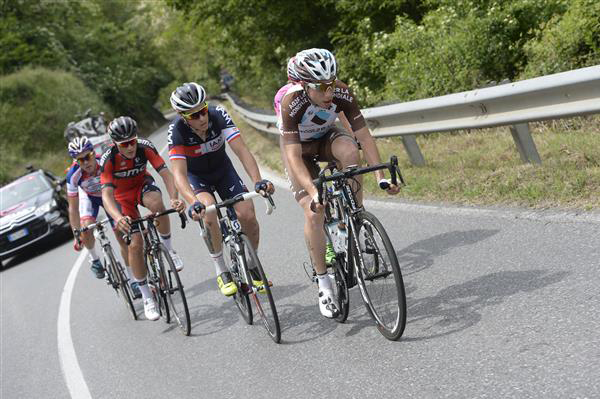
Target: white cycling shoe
x=150 y=309
x=177 y=261
x=327 y=304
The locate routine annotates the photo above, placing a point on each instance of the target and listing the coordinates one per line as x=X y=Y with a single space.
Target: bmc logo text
x=130 y=172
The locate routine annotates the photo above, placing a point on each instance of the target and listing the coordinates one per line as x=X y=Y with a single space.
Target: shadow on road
x=420 y=255
x=210 y=318
x=459 y=307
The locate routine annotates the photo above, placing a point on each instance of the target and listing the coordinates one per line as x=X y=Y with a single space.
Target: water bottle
x=339 y=235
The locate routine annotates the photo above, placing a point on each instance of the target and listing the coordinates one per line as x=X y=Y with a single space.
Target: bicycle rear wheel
x=378 y=275
x=340 y=289
x=119 y=282
x=263 y=302
x=241 y=298
x=174 y=291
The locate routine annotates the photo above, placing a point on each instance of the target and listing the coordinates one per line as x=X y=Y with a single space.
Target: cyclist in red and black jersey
x=127 y=184
x=201 y=168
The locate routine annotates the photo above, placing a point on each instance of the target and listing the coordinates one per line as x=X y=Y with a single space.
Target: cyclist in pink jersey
x=307 y=109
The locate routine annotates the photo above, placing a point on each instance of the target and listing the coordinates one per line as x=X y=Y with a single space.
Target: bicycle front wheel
x=120 y=282
x=378 y=275
x=262 y=296
x=235 y=265
x=157 y=281
x=174 y=292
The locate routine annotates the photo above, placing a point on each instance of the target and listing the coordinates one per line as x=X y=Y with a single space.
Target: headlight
x=45 y=208
x=52 y=216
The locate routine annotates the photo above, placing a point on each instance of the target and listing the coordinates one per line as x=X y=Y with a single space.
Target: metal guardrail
x=556 y=96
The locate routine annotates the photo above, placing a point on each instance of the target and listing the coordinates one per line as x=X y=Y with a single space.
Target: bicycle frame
x=99 y=231
x=341 y=197
x=230 y=226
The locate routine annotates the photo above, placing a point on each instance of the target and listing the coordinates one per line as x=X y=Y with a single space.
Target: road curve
x=499 y=305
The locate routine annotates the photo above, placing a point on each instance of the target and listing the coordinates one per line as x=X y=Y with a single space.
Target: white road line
x=66 y=351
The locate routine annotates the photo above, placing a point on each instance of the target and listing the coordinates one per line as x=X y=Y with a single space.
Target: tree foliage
x=101 y=41
x=398 y=50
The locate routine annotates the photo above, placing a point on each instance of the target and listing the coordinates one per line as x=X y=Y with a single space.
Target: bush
x=36 y=104
x=566 y=42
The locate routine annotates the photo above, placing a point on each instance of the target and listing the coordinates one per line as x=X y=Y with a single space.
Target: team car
x=32 y=207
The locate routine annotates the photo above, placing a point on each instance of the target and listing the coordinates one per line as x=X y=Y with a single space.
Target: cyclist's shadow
x=459 y=306
x=420 y=255
x=211 y=318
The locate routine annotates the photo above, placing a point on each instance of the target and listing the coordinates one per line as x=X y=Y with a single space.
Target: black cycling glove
x=195 y=207
x=262 y=185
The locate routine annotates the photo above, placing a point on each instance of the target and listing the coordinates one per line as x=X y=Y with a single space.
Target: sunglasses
x=322 y=86
x=195 y=115
x=85 y=158
x=128 y=143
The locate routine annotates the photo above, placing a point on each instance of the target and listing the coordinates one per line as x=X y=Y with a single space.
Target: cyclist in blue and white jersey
x=84 y=195
x=307 y=110
x=201 y=167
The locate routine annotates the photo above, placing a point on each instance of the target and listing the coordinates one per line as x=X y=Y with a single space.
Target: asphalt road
x=501 y=303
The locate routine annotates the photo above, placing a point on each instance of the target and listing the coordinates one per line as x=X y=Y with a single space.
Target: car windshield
x=21 y=190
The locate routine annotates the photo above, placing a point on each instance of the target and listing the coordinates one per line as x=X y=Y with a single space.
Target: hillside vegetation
x=35 y=106
x=127 y=56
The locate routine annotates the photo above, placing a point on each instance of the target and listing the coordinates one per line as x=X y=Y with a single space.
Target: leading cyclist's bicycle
x=163 y=276
x=240 y=257
x=115 y=274
x=364 y=253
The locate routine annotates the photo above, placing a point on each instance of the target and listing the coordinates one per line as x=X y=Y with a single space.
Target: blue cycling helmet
x=79 y=145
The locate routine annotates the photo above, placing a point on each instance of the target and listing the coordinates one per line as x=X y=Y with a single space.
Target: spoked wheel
x=175 y=295
x=340 y=290
x=241 y=298
x=261 y=295
x=119 y=282
x=378 y=275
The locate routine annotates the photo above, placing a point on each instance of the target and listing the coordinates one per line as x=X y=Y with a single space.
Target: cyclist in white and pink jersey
x=307 y=109
x=85 y=199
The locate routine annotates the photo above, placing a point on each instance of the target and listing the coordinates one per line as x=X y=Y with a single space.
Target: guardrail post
x=524 y=142
x=413 y=150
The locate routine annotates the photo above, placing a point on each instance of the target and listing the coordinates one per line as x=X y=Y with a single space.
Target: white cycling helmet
x=79 y=145
x=187 y=97
x=313 y=65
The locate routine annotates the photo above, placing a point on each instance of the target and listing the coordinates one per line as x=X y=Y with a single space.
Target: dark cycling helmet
x=187 y=97
x=313 y=65
x=122 y=128
x=79 y=145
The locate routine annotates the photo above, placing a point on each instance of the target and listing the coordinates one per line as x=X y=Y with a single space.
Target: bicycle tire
x=241 y=298
x=122 y=287
x=334 y=211
x=179 y=308
x=270 y=318
x=341 y=292
x=390 y=316
x=110 y=273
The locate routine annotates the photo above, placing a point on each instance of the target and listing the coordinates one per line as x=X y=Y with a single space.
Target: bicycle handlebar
x=392 y=166
x=151 y=216
x=242 y=197
x=79 y=231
